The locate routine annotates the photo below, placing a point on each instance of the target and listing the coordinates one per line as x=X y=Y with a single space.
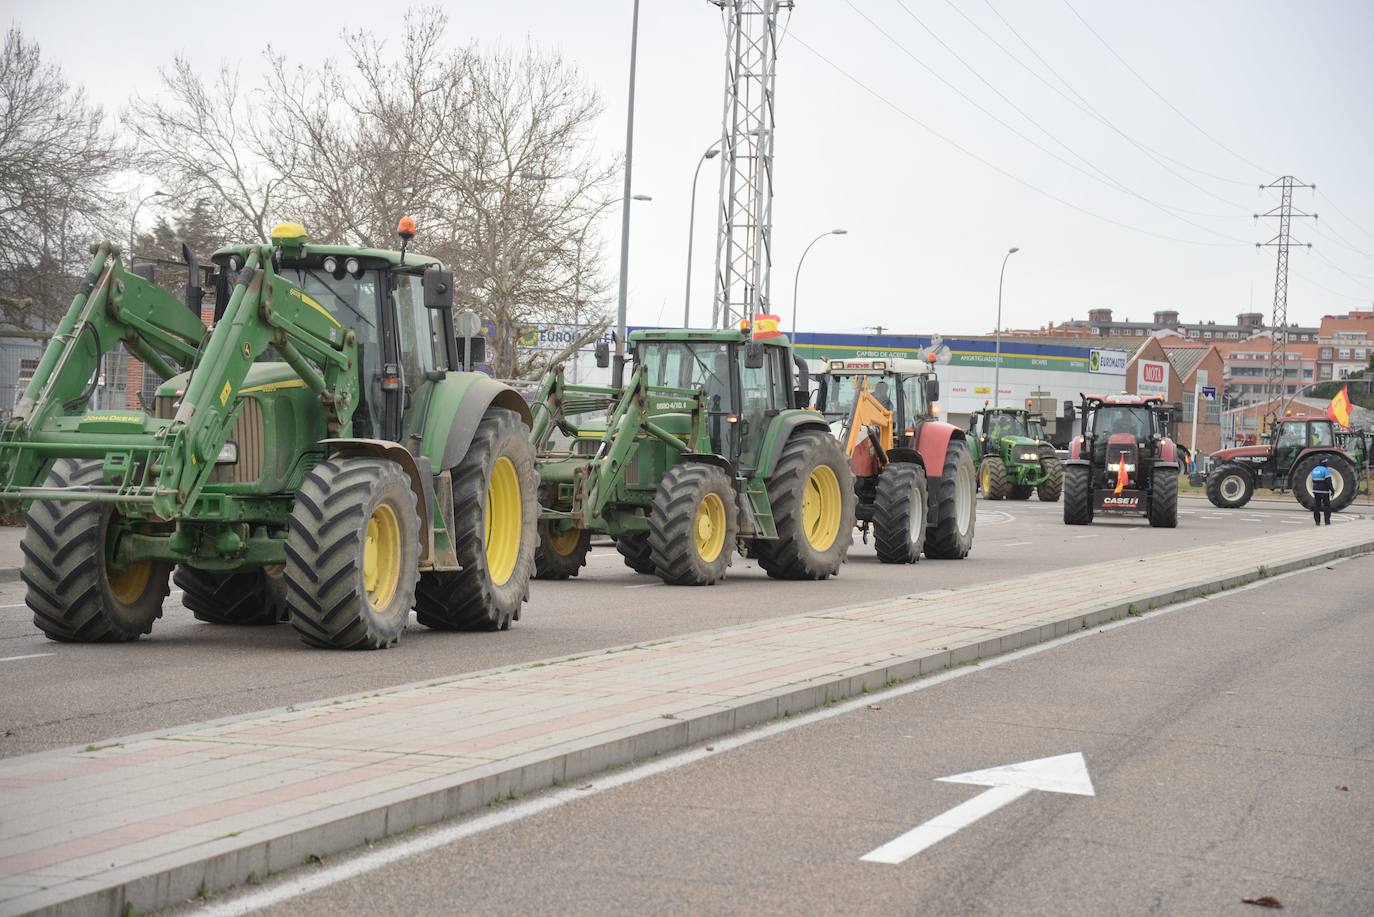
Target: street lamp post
x=711 y=153
x=133 y=220
x=797 y=277
x=997 y=371
x=618 y=366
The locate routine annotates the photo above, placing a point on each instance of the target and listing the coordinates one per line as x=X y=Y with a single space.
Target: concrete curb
x=226 y=862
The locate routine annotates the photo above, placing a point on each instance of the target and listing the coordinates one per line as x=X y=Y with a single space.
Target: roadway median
x=151 y=820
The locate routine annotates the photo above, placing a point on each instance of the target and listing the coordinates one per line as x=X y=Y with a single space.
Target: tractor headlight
x=229 y=455
x=331 y=265
x=1030 y=456
x=1130 y=466
x=353 y=268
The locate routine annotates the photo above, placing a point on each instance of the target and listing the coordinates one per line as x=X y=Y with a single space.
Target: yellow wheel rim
x=503 y=521
x=382 y=556
x=987 y=479
x=821 y=507
x=709 y=528
x=129 y=584
x=565 y=542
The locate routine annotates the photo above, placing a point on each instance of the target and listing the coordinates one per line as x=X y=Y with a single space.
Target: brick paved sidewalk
x=151 y=819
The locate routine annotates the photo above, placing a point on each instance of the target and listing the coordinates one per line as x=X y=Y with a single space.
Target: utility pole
x=744 y=241
x=1276 y=385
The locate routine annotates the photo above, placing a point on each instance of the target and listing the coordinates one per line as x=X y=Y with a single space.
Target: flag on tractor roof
x=1339 y=408
x=766 y=326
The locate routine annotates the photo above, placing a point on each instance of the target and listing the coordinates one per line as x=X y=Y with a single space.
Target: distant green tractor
x=1013 y=461
x=703 y=450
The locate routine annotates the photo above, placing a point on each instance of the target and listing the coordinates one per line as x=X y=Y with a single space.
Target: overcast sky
x=1284 y=87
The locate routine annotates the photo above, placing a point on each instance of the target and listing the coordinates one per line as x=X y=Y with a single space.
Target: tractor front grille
x=250 y=436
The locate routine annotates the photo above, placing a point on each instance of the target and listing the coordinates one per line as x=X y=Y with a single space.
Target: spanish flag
x=766 y=326
x=1339 y=408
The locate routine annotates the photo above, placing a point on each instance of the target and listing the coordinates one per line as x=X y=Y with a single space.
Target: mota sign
x=1152 y=378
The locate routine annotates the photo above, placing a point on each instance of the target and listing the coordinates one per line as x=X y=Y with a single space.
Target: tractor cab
x=745 y=381
x=907 y=388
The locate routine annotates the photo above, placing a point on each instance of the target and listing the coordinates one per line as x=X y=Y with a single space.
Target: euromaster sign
x=1152 y=378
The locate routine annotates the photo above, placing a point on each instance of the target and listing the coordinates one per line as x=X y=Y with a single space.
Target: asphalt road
x=1230 y=745
x=54 y=695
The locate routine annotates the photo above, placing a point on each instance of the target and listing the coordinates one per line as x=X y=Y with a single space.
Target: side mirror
x=753 y=355
x=603 y=354
x=195 y=293
x=932 y=389
x=438 y=289
x=473 y=351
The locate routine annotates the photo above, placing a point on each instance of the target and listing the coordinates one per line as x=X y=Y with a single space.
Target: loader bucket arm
x=867 y=411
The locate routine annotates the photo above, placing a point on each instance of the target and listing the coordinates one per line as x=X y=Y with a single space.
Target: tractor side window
x=754 y=390
x=418 y=334
x=913 y=398
x=1320 y=435
x=1292 y=435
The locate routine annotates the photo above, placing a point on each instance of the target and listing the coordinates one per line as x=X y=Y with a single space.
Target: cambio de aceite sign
x=1152 y=378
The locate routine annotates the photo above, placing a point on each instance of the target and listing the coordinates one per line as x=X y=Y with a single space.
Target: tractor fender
x=1075 y=461
x=1076 y=447
x=932 y=441
x=1168 y=452
x=456 y=407
x=788 y=422
x=706 y=458
x=419 y=471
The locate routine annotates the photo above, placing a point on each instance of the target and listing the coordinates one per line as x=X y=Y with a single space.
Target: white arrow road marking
x=1057 y=774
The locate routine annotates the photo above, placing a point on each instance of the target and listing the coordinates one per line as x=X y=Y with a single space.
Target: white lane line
x=644 y=585
x=20 y=605
x=1016 y=544
x=1085 y=536
x=1289 y=522
x=29 y=656
x=349 y=866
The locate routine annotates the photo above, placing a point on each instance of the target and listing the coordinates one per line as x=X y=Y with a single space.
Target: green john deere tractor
x=1012 y=461
x=315 y=456
x=705 y=448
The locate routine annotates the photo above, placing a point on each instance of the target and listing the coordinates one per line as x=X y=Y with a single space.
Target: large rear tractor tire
x=634 y=548
x=75 y=594
x=1229 y=486
x=994 y=478
x=1078 y=495
x=812 y=494
x=245 y=598
x=899 y=513
x=1052 y=486
x=352 y=554
x=1343 y=482
x=495 y=521
x=1164 y=498
x=692 y=525
x=956 y=506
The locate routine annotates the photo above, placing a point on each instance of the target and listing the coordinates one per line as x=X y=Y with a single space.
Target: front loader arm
x=264 y=310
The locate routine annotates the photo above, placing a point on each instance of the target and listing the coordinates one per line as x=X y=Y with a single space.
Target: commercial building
x=1184 y=373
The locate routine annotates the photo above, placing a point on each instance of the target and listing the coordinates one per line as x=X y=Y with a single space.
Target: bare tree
x=489 y=151
x=56 y=162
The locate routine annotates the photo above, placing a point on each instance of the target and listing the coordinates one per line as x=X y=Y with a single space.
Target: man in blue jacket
x=1321 y=493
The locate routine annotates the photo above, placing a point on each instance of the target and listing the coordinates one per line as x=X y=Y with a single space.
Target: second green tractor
x=1013 y=460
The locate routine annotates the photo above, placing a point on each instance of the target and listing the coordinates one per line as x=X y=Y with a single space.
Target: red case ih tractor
x=1122 y=461
x=1285 y=461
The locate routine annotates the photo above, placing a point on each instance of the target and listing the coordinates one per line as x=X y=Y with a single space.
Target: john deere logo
x=1095 y=362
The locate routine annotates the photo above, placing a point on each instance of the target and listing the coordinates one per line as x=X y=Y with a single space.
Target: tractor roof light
x=289 y=237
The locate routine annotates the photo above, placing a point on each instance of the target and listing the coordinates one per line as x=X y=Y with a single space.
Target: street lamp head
x=1012 y=251
x=640 y=197
x=839 y=232
x=712 y=153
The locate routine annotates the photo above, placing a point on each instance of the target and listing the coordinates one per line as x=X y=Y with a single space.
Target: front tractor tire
x=1050 y=489
x=246 y=598
x=692 y=525
x=560 y=553
x=1020 y=492
x=994 y=479
x=1342 y=480
x=955 y=504
x=1229 y=486
x=634 y=549
x=1163 y=511
x=899 y=513
x=352 y=554
x=812 y=494
x=1078 y=495
x=495 y=521
x=75 y=593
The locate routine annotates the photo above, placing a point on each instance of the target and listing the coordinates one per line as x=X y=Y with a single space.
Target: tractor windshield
x=842 y=391
x=1006 y=425
x=689 y=364
x=352 y=300
x=1110 y=419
